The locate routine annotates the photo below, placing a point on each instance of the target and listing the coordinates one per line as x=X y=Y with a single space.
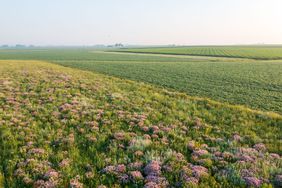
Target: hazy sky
x=190 y=22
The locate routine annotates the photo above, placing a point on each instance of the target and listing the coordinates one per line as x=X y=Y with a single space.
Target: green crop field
x=64 y=127
x=252 y=83
x=251 y=52
x=109 y=94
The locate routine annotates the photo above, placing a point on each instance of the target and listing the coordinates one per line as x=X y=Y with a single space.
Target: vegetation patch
x=63 y=127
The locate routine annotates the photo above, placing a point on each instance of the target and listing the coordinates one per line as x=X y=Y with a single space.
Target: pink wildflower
x=139 y=153
x=191 y=145
x=124 y=178
x=253 y=181
x=152 y=185
x=119 y=136
x=74 y=183
x=199 y=171
x=136 y=175
x=260 y=147
x=153 y=168
x=51 y=174
x=64 y=163
x=237 y=137
x=135 y=165
x=120 y=168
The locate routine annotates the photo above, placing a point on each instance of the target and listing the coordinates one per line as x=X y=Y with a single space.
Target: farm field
x=65 y=127
x=251 y=52
x=252 y=83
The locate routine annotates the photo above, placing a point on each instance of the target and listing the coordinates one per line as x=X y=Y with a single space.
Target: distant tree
x=20 y=46
x=118 y=45
x=5 y=46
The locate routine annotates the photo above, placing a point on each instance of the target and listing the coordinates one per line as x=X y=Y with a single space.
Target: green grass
x=252 y=52
x=65 y=127
x=256 y=84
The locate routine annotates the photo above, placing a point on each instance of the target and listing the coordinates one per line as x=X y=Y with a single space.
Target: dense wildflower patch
x=61 y=127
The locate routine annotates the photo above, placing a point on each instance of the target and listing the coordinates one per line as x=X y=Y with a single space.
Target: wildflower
x=166 y=129
x=119 y=136
x=260 y=147
x=135 y=165
x=247 y=158
x=199 y=171
x=237 y=137
x=120 y=168
x=89 y=175
x=274 y=155
x=132 y=134
x=30 y=143
x=81 y=130
x=51 y=174
x=152 y=185
x=200 y=153
x=246 y=173
x=136 y=175
x=64 y=163
x=141 y=123
x=37 y=151
x=39 y=183
x=56 y=114
x=124 y=178
x=253 y=181
x=109 y=169
x=198 y=123
x=155 y=136
x=191 y=181
x=161 y=181
x=179 y=156
x=227 y=155
x=155 y=128
x=145 y=129
x=19 y=172
x=74 y=183
x=146 y=136
x=95 y=128
x=167 y=168
x=70 y=139
x=165 y=141
x=153 y=168
x=139 y=153
x=217 y=154
x=27 y=180
x=92 y=139
x=191 y=145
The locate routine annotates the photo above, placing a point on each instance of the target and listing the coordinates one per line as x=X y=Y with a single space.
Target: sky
x=140 y=22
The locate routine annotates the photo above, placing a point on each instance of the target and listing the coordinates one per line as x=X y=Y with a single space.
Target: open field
x=71 y=128
x=251 y=52
x=256 y=84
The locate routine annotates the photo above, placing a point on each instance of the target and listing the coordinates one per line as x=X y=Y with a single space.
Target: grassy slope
x=50 y=113
x=256 y=84
x=252 y=52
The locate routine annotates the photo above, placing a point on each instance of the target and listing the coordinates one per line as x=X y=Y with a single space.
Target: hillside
x=252 y=83
x=66 y=127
